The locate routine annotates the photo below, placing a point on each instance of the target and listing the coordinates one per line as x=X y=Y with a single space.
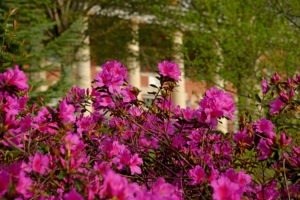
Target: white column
x=84 y=63
x=223 y=124
x=133 y=64
x=179 y=94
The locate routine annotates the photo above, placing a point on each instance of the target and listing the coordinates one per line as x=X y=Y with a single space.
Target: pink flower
x=197 y=174
x=133 y=164
x=4 y=182
x=103 y=101
x=265 y=86
x=265 y=149
x=72 y=141
x=275 y=78
x=169 y=69
x=242 y=137
x=214 y=105
x=66 y=112
x=114 y=185
x=265 y=126
x=284 y=141
x=276 y=106
x=283 y=96
x=161 y=188
x=24 y=184
x=289 y=83
x=128 y=95
x=15 y=78
x=243 y=179
x=112 y=76
x=12 y=106
x=214 y=173
x=178 y=141
x=267 y=193
x=39 y=163
x=224 y=189
x=122 y=159
x=291 y=93
x=297 y=79
x=188 y=113
x=73 y=195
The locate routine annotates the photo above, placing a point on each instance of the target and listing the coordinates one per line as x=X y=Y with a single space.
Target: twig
x=285 y=179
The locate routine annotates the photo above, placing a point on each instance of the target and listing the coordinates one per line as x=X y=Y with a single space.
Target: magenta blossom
x=73 y=195
x=243 y=179
x=114 y=185
x=15 y=78
x=267 y=193
x=224 y=189
x=162 y=189
x=265 y=126
x=284 y=141
x=275 y=78
x=276 y=106
x=291 y=93
x=112 y=76
x=72 y=141
x=169 y=69
x=283 y=96
x=264 y=148
x=122 y=159
x=4 y=182
x=215 y=104
x=197 y=174
x=188 y=113
x=242 y=137
x=128 y=95
x=133 y=164
x=66 y=112
x=265 y=86
x=39 y=163
x=24 y=184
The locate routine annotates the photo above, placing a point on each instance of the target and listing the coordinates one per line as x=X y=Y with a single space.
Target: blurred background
x=229 y=44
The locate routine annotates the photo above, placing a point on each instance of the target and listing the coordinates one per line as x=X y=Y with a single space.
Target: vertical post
x=133 y=64
x=223 y=125
x=84 y=63
x=179 y=94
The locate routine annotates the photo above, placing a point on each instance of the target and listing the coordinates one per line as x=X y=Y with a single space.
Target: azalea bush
x=105 y=143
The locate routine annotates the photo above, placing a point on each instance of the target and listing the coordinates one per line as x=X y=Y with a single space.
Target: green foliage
x=11 y=50
x=236 y=40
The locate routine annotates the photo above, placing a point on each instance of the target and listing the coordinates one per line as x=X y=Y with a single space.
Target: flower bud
x=265 y=86
x=291 y=93
x=275 y=78
x=284 y=141
x=289 y=83
x=283 y=96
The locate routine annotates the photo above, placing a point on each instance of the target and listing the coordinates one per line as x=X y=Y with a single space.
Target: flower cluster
x=169 y=69
x=215 y=104
x=105 y=143
x=285 y=90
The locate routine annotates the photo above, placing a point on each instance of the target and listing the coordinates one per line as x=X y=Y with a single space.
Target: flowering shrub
x=105 y=143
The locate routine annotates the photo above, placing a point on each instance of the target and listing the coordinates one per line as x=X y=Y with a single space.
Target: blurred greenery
x=238 y=42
